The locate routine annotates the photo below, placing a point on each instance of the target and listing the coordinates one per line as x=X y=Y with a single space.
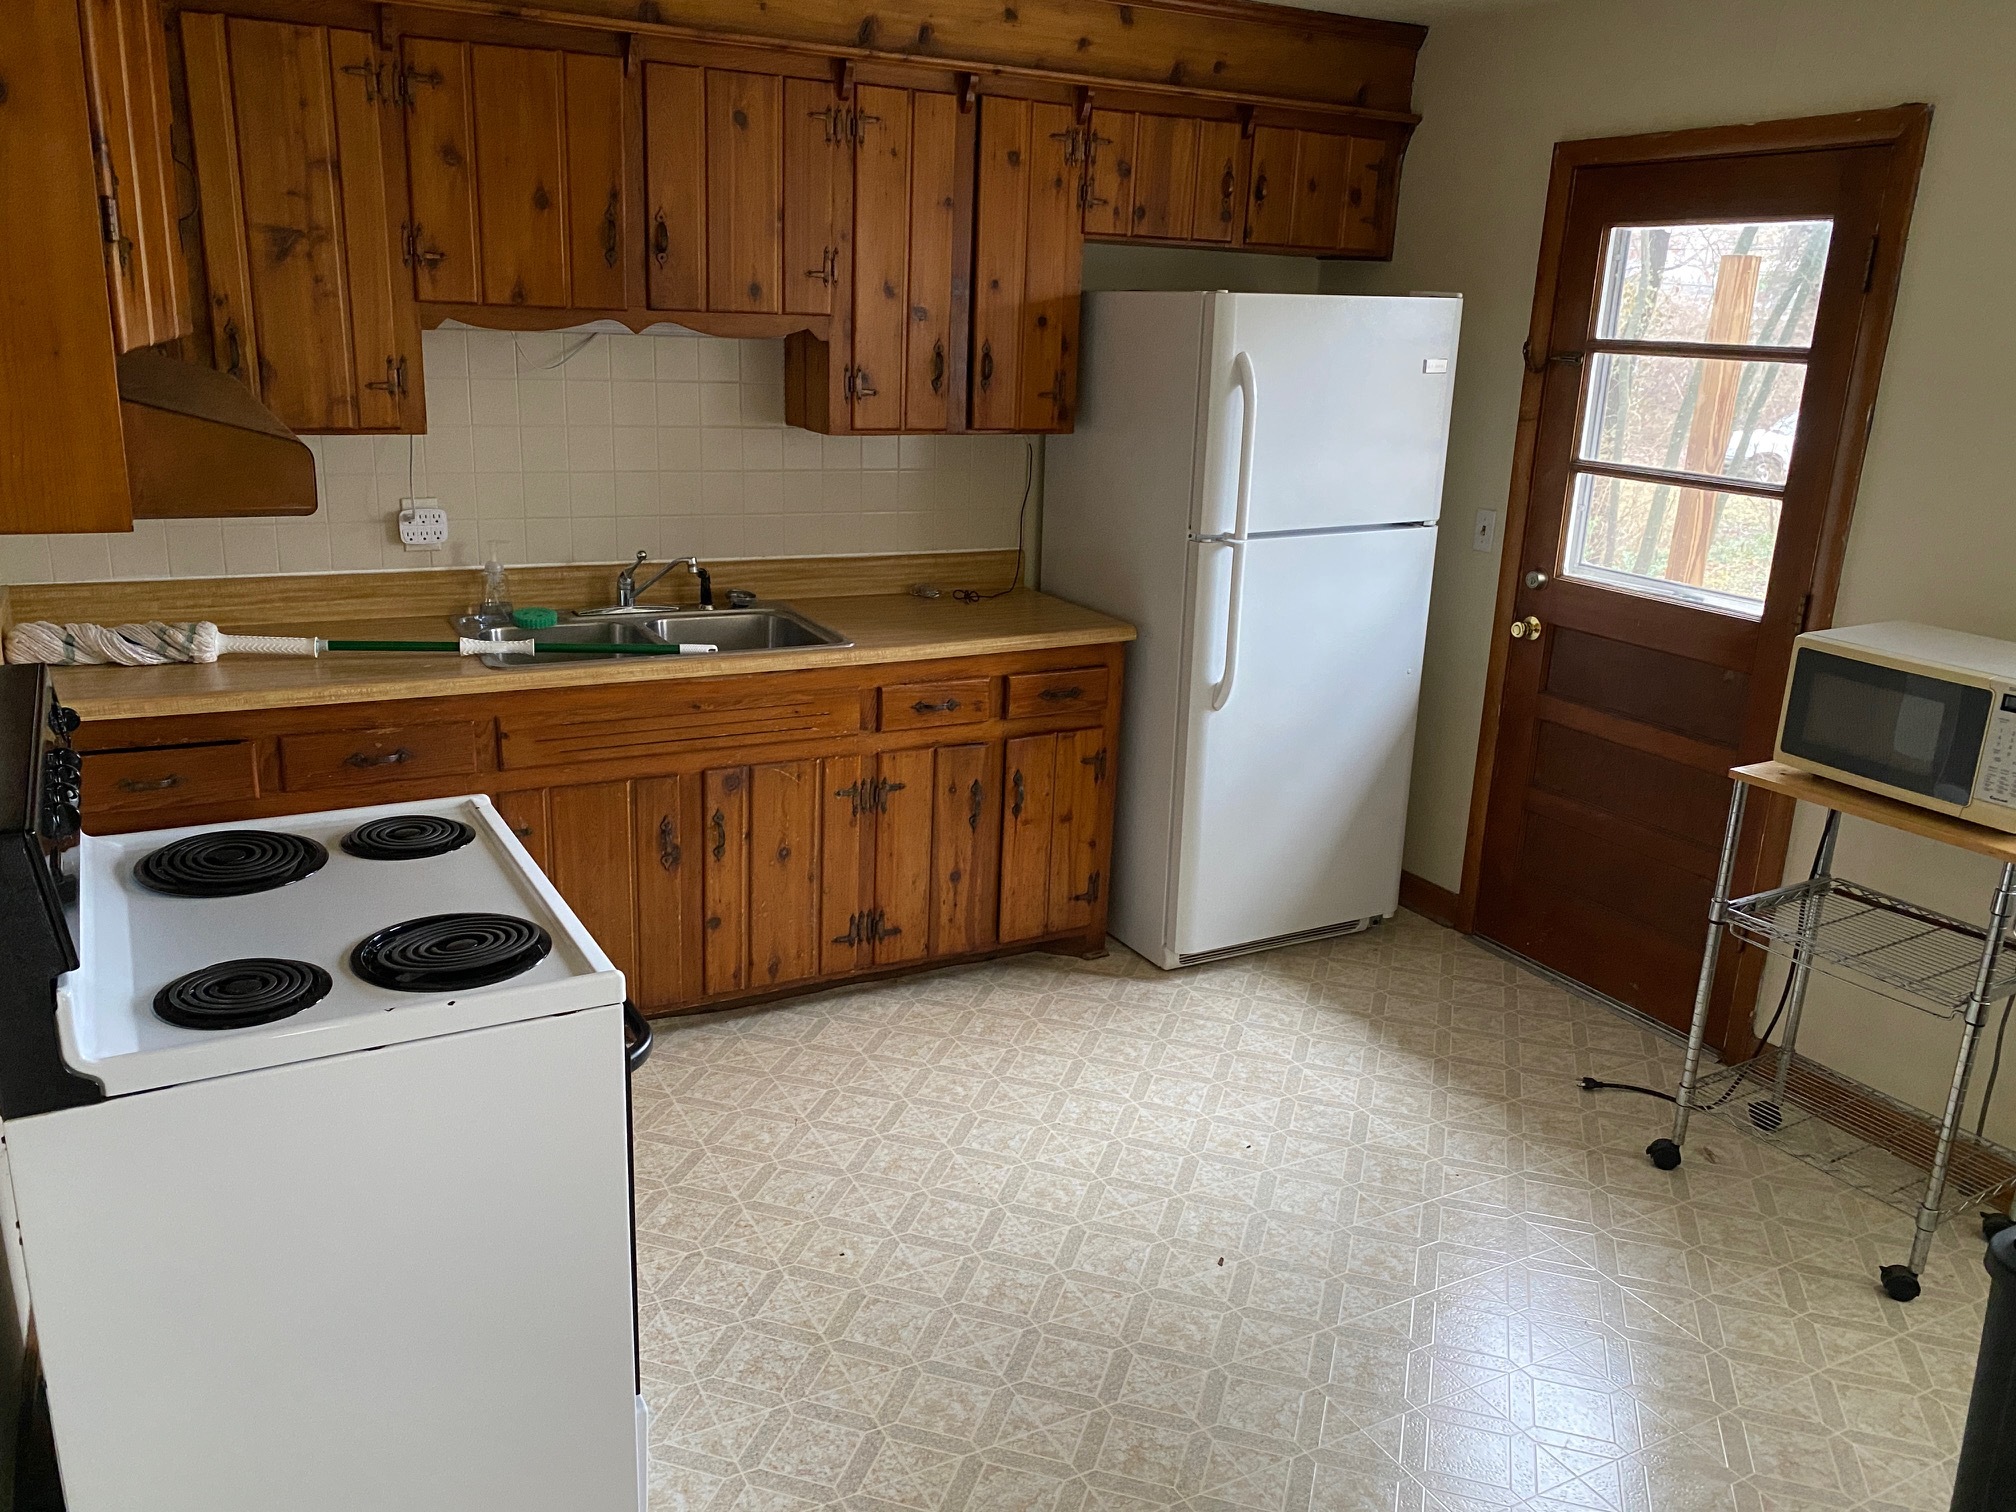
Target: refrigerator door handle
x=1242 y=374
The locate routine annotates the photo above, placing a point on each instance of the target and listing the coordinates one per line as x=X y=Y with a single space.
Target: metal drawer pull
x=1021 y=793
x=522 y=831
x=1061 y=695
x=720 y=823
x=945 y=706
x=668 y=847
x=390 y=758
x=976 y=804
x=1091 y=893
x=159 y=784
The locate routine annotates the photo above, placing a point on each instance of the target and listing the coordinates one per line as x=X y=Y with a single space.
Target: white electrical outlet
x=1484 y=534
x=423 y=524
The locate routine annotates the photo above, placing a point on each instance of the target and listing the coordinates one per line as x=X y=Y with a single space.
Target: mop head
x=150 y=645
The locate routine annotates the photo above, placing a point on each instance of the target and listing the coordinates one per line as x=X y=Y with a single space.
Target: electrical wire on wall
x=973 y=595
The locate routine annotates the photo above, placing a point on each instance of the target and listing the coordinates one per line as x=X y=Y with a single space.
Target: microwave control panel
x=1996 y=781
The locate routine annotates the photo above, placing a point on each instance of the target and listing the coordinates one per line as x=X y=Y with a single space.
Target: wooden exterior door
x=1706 y=366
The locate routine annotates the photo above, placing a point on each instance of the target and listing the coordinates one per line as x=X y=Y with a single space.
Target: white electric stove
x=349 y=1226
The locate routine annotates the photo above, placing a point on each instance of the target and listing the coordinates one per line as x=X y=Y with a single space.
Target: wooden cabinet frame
x=726 y=838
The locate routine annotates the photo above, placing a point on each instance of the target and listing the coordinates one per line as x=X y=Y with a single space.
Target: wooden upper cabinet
x=675 y=199
x=1161 y=177
x=520 y=179
x=62 y=453
x=745 y=192
x=126 y=53
x=295 y=137
x=1319 y=191
x=1028 y=260
x=818 y=151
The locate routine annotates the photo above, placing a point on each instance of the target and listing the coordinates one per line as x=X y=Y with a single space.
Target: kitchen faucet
x=626 y=580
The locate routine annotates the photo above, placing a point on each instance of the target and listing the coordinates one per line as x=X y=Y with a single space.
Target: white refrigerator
x=1254 y=482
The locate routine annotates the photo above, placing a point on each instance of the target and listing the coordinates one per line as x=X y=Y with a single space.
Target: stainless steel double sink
x=761 y=627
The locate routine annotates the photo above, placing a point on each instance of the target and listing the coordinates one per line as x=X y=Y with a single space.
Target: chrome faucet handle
x=626 y=582
x=740 y=598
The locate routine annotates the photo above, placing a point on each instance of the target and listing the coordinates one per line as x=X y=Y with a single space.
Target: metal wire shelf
x=1856 y=1141
x=1925 y=958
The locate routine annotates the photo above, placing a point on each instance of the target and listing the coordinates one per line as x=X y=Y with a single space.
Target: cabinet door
x=666 y=820
x=999 y=248
x=675 y=167
x=525 y=813
x=1026 y=827
x=846 y=863
x=903 y=858
x=1080 y=822
x=1216 y=201
x=1055 y=268
x=724 y=863
x=126 y=50
x=599 y=237
x=965 y=848
x=290 y=125
x=784 y=816
x=817 y=149
x=441 y=171
x=1322 y=176
x=745 y=192
x=934 y=160
x=881 y=262
x=520 y=175
x=1270 y=195
x=1109 y=181
x=1366 y=224
x=62 y=450
x=1165 y=178
x=589 y=854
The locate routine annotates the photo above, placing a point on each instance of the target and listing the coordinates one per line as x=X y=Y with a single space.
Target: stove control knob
x=63 y=721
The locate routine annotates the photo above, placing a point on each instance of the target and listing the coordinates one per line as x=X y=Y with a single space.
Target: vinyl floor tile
x=1329 y=1229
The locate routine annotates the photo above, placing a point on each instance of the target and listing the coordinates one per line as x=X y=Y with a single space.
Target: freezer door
x=1352 y=399
x=1295 y=791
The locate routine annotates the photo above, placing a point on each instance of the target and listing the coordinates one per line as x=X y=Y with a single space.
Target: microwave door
x=1905 y=731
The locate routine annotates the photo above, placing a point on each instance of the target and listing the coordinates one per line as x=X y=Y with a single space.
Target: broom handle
x=473 y=647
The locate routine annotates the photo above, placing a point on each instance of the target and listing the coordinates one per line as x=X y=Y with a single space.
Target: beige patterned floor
x=1326 y=1230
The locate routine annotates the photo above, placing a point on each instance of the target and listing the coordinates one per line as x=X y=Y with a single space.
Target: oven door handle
x=637 y=1036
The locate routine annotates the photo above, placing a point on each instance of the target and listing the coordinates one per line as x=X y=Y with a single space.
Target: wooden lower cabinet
x=724 y=839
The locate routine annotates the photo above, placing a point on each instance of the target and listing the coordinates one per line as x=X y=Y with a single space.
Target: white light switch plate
x=1484 y=534
x=423 y=524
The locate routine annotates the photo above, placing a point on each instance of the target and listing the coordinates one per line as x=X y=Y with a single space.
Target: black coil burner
x=407 y=837
x=229 y=863
x=450 y=952
x=239 y=994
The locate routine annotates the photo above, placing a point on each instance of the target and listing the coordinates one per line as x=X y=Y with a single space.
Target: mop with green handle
x=157 y=644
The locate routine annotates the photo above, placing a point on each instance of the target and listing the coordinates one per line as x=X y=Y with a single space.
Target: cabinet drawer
x=1077 y=690
x=121 y=783
x=346 y=758
x=931 y=705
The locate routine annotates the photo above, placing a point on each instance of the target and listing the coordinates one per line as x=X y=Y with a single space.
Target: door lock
x=1536 y=579
x=1527 y=628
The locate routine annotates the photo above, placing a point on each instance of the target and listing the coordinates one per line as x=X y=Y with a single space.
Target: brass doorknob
x=1527 y=628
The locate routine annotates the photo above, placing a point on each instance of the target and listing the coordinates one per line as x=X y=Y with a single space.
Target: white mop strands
x=150 y=645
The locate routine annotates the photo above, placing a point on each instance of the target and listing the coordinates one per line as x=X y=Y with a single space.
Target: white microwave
x=1922 y=715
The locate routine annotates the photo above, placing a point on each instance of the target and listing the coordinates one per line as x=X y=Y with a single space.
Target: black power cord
x=973 y=595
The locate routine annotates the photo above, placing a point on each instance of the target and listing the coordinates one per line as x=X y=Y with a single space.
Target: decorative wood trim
x=1905 y=127
x=1234 y=50
x=500 y=317
x=1431 y=901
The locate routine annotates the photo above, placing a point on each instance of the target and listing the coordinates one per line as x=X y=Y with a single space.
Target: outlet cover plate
x=423 y=524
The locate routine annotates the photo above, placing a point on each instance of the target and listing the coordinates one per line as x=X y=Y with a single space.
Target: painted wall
x=1935 y=528
x=572 y=447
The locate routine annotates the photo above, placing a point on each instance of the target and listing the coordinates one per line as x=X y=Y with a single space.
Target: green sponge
x=535 y=619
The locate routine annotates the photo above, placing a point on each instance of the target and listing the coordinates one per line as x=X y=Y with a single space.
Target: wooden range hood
x=198 y=445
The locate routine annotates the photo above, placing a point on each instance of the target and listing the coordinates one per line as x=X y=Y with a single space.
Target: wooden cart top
x=1776 y=777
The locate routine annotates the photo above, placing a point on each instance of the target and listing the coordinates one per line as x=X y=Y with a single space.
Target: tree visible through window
x=1692 y=388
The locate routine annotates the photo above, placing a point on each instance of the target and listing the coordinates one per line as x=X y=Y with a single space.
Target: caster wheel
x=1766 y=1116
x=1899 y=1282
x=1993 y=1224
x=1665 y=1154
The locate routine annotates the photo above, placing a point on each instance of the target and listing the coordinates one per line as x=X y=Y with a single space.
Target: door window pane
x=1751 y=283
x=1690 y=544
x=1734 y=420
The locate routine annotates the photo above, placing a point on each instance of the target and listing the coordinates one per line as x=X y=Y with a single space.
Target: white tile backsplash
x=586 y=447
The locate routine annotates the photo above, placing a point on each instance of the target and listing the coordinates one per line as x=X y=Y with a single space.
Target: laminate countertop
x=883 y=627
